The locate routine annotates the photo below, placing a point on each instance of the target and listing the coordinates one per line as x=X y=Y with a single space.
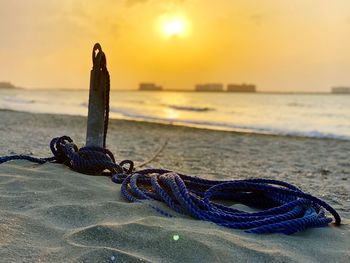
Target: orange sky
x=299 y=45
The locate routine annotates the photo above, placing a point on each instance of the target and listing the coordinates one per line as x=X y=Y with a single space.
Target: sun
x=173 y=26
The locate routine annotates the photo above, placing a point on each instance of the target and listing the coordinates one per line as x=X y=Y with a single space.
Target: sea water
x=311 y=115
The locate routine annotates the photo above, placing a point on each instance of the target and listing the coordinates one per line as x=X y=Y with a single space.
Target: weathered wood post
x=97 y=99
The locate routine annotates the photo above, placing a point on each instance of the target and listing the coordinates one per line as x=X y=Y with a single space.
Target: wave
x=84 y=104
x=255 y=129
x=190 y=108
x=175 y=107
x=136 y=101
x=127 y=113
x=14 y=99
x=300 y=105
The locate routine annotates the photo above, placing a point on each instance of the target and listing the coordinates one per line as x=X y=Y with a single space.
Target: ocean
x=310 y=115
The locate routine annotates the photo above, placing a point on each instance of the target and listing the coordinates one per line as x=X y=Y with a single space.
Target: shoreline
x=242 y=131
x=194 y=91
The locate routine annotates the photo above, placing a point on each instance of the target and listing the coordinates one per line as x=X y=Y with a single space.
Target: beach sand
x=49 y=213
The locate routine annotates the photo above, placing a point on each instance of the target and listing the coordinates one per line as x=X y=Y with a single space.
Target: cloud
x=131 y=3
x=257 y=18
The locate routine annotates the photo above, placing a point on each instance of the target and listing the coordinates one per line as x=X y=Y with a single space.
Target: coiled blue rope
x=284 y=208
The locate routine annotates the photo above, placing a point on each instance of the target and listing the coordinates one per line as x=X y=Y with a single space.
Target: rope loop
x=130 y=168
x=88 y=160
x=98 y=57
x=282 y=207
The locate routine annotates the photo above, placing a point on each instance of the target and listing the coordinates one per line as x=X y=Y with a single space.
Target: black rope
x=105 y=128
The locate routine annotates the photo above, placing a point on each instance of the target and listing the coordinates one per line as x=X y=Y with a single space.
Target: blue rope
x=284 y=208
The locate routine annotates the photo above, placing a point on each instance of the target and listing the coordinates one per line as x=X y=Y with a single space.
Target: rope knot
x=58 y=148
x=90 y=160
x=98 y=57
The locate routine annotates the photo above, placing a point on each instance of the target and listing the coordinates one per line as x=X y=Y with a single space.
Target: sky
x=284 y=46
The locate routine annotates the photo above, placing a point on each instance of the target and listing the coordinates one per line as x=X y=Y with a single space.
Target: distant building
x=341 y=90
x=6 y=85
x=209 y=87
x=241 y=88
x=149 y=87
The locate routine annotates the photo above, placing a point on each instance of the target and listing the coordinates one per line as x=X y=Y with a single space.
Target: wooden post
x=97 y=97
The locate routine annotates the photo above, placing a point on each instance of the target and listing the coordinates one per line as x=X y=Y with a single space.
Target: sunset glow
x=296 y=46
x=174 y=27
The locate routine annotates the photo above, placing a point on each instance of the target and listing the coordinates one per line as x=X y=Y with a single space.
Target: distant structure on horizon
x=341 y=90
x=209 y=87
x=149 y=87
x=241 y=88
x=6 y=85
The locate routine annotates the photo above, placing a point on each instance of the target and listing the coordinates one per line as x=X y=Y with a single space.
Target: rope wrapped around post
x=284 y=208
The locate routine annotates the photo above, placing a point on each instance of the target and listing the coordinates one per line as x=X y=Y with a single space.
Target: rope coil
x=284 y=208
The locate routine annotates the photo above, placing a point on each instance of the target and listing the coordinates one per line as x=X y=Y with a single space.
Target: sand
x=51 y=214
